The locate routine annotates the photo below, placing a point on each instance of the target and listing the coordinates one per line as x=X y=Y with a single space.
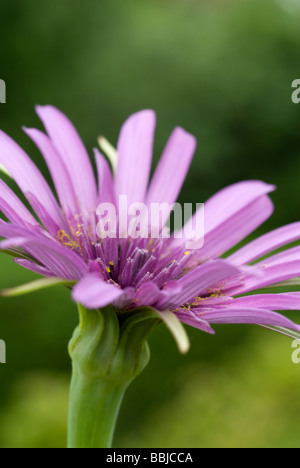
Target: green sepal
x=104 y=345
x=36 y=285
x=284 y=331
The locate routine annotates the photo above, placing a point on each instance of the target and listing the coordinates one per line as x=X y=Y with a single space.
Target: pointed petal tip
x=97 y=153
x=44 y=110
x=135 y=149
x=39 y=109
x=270 y=187
x=29 y=131
x=33 y=133
x=181 y=132
x=42 y=107
x=141 y=118
x=255 y=182
x=71 y=149
x=149 y=113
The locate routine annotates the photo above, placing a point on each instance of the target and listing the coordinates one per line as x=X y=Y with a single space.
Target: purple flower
x=197 y=286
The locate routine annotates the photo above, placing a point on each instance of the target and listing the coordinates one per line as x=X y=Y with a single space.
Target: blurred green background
x=222 y=70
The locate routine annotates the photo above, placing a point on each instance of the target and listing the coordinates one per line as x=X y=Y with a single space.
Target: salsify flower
x=126 y=281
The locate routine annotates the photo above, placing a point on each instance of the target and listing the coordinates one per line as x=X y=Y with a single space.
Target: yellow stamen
x=66 y=240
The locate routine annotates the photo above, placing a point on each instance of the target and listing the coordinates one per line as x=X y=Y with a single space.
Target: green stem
x=94 y=408
x=106 y=357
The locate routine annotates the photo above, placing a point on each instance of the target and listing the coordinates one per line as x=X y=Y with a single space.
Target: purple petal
x=93 y=293
x=228 y=203
x=135 y=148
x=57 y=168
x=191 y=319
x=248 y=315
x=60 y=260
x=106 y=193
x=149 y=294
x=56 y=258
x=266 y=243
x=195 y=282
x=272 y=274
x=28 y=177
x=284 y=301
x=40 y=270
x=231 y=200
x=125 y=299
x=71 y=149
x=13 y=208
x=172 y=168
x=12 y=244
x=44 y=216
x=282 y=257
x=236 y=228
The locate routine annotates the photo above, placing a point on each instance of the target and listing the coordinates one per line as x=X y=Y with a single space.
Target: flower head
x=63 y=242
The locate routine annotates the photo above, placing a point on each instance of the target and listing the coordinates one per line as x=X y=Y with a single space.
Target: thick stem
x=94 y=408
x=106 y=357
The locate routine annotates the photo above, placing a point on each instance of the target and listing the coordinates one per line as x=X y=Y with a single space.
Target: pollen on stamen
x=186 y=307
x=197 y=301
x=109 y=268
x=66 y=240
